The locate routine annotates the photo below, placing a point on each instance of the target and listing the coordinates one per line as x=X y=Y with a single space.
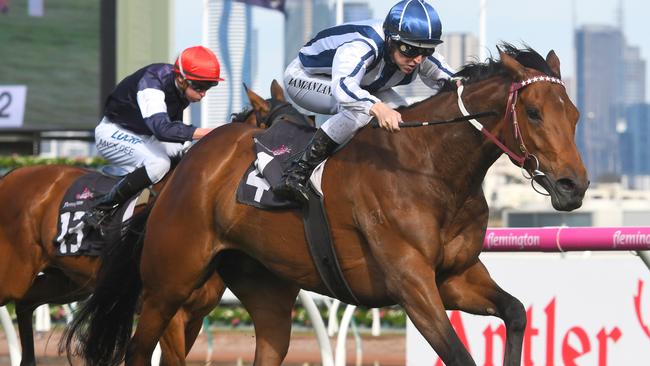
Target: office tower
x=229 y=33
x=304 y=18
x=599 y=79
x=356 y=10
x=457 y=49
x=634 y=71
x=634 y=141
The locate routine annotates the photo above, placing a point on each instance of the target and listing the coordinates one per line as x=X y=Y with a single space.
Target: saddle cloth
x=73 y=237
x=275 y=148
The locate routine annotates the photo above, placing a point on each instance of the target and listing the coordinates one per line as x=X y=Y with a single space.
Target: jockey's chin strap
x=511 y=112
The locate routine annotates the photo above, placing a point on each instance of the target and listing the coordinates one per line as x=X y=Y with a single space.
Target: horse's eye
x=533 y=113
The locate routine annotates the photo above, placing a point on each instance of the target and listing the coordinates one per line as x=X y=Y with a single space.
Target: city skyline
x=543 y=28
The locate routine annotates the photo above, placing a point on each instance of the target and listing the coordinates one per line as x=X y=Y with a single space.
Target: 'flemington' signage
x=554 y=239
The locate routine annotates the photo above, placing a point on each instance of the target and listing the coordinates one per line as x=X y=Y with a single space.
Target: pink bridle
x=511 y=111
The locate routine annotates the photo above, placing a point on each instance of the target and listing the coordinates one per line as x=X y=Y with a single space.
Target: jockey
x=142 y=126
x=349 y=71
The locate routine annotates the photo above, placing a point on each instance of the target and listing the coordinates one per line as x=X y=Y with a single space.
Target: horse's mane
x=473 y=72
x=243 y=115
x=528 y=57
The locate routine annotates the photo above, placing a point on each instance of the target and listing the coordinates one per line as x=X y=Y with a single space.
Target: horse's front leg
x=184 y=327
x=474 y=291
x=165 y=289
x=269 y=299
x=412 y=281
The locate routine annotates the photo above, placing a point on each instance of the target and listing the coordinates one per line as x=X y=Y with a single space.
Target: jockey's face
x=405 y=64
x=191 y=94
x=407 y=61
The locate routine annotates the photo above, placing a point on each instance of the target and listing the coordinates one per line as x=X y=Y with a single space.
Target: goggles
x=201 y=85
x=412 y=52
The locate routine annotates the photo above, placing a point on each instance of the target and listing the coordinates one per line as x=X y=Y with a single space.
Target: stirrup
x=96 y=217
x=292 y=192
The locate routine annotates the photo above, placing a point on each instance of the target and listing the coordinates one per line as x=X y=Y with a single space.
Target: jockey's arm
x=433 y=69
x=348 y=69
x=151 y=102
x=200 y=132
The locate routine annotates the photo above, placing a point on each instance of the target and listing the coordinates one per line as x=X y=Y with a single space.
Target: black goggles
x=201 y=86
x=412 y=52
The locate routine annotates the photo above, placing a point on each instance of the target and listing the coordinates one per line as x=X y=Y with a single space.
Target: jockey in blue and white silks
x=349 y=71
x=143 y=128
x=352 y=63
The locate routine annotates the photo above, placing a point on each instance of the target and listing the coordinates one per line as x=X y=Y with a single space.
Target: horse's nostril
x=566 y=184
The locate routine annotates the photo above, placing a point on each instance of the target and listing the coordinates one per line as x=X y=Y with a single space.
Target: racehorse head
x=539 y=123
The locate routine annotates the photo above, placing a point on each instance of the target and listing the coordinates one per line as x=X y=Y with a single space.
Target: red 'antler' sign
x=637 y=307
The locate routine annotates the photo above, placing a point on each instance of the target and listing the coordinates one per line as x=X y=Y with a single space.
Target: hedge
x=10 y=162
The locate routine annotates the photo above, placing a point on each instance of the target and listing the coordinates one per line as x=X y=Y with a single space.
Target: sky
x=544 y=28
x=542 y=24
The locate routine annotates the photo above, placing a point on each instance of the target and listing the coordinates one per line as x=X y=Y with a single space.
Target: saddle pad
x=74 y=238
x=274 y=150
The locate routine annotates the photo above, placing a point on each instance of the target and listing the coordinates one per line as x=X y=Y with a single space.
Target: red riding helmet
x=198 y=63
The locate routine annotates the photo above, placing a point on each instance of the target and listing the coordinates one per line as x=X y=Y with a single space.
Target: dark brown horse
x=406 y=210
x=28 y=221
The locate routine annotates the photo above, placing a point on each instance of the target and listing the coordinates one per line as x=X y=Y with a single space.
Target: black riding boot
x=125 y=188
x=295 y=177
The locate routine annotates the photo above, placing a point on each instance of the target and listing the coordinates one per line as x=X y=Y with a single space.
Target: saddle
x=275 y=148
x=74 y=237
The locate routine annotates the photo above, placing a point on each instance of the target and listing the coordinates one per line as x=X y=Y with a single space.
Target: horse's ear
x=276 y=91
x=515 y=69
x=259 y=104
x=554 y=62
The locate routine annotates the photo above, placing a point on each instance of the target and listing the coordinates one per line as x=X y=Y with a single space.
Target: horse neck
x=458 y=151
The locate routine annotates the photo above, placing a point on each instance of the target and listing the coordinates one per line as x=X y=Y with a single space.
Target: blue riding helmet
x=414 y=22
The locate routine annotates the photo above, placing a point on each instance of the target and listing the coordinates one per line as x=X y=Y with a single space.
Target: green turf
x=57 y=57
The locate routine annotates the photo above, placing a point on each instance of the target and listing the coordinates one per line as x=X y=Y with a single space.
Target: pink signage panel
x=559 y=239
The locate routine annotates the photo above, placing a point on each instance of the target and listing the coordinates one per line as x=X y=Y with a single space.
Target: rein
x=467 y=117
x=513 y=95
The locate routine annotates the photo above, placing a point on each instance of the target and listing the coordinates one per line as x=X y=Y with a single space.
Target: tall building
x=304 y=18
x=229 y=33
x=634 y=141
x=457 y=49
x=634 y=76
x=356 y=10
x=599 y=97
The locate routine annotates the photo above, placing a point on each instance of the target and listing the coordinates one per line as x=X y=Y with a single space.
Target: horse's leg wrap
x=295 y=178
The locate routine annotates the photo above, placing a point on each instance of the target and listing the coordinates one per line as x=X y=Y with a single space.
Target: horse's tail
x=102 y=327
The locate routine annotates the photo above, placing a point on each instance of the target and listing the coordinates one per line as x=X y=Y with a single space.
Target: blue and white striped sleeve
x=435 y=68
x=348 y=68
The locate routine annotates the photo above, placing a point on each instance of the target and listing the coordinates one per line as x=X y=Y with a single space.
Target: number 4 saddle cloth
x=74 y=237
x=275 y=148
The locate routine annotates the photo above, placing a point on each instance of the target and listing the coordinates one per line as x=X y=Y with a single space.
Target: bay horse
x=406 y=210
x=28 y=223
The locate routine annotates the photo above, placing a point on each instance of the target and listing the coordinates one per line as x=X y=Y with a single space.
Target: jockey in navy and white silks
x=143 y=125
x=350 y=71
